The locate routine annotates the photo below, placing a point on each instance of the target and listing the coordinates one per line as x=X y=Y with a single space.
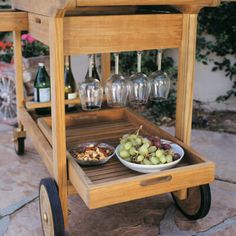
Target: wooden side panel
x=150 y=184
x=101 y=34
x=13 y=21
x=40 y=142
x=184 y=103
x=147 y=2
x=39 y=27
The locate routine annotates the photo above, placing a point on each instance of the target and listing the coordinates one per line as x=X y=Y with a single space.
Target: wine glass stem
x=139 y=61
x=90 y=65
x=116 y=63
x=159 y=59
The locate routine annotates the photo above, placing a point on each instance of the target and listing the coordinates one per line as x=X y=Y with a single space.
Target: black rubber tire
x=57 y=216
x=19 y=145
x=205 y=203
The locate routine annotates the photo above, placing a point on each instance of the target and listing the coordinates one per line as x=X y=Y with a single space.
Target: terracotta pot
x=7 y=86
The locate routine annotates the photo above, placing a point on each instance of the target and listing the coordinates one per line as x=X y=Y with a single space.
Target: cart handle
x=157 y=180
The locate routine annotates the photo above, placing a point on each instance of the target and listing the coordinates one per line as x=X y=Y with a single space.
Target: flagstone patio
x=19 y=211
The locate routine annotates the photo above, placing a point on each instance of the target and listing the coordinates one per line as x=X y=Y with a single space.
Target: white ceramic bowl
x=153 y=168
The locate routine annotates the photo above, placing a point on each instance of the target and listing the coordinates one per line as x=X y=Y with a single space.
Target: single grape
x=143 y=150
x=152 y=149
x=163 y=159
x=125 y=136
x=176 y=156
x=123 y=141
x=157 y=143
x=159 y=153
x=169 y=158
x=154 y=160
x=128 y=145
x=133 y=151
x=133 y=136
x=133 y=141
x=146 y=162
x=124 y=154
x=138 y=141
x=122 y=147
x=146 y=141
x=140 y=158
x=165 y=146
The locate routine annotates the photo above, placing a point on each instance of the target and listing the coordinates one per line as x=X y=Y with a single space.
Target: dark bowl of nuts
x=92 y=153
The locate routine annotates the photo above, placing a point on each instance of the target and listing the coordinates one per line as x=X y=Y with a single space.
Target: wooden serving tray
x=114 y=183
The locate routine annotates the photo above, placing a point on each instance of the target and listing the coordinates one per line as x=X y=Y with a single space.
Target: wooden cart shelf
x=31 y=105
x=113 y=182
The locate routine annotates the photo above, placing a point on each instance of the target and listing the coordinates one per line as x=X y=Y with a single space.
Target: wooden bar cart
x=72 y=27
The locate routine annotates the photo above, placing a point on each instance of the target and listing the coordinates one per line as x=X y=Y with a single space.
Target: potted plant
x=33 y=52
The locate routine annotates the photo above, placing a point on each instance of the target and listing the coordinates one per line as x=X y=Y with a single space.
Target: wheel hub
x=45 y=217
x=7 y=98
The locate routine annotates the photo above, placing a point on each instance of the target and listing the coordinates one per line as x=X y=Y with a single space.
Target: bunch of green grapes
x=141 y=150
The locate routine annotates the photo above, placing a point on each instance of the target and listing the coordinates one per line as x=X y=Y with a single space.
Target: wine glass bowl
x=139 y=86
x=91 y=94
x=116 y=91
x=160 y=85
x=139 y=89
x=116 y=87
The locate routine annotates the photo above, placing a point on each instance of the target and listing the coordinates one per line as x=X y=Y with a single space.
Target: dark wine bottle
x=42 y=92
x=70 y=84
x=95 y=74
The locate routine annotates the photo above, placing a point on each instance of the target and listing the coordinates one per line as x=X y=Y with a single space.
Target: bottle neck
x=116 y=63
x=67 y=62
x=139 y=62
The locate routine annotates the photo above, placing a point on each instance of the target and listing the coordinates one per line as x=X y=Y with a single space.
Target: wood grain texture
x=31 y=105
x=147 y=2
x=13 y=21
x=113 y=183
x=186 y=70
x=137 y=187
x=19 y=74
x=40 y=143
x=106 y=67
x=58 y=109
x=121 y=33
x=44 y=7
x=39 y=27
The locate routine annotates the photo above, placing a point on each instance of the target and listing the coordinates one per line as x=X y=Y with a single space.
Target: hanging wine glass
x=159 y=82
x=139 y=87
x=90 y=91
x=116 y=88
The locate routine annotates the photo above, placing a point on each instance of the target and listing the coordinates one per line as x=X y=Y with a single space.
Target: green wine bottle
x=42 y=91
x=94 y=68
x=70 y=84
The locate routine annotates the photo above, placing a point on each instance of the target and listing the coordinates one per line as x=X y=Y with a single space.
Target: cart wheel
x=50 y=208
x=197 y=204
x=19 y=145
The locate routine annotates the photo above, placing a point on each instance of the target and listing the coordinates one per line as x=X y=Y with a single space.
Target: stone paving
x=20 y=176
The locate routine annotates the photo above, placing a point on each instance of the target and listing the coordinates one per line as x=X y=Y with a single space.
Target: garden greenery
x=219 y=22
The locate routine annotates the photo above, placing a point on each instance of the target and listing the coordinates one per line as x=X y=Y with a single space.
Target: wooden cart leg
x=106 y=67
x=185 y=84
x=184 y=103
x=58 y=109
x=18 y=75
